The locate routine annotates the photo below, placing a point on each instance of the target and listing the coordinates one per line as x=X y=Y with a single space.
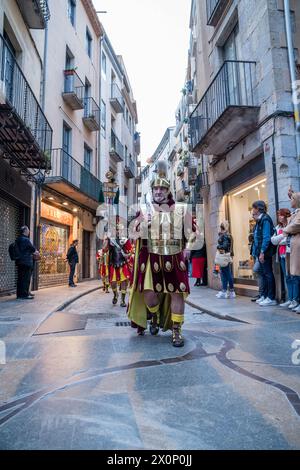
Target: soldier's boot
x=177 y=339
x=140 y=331
x=123 y=303
x=154 y=322
x=115 y=298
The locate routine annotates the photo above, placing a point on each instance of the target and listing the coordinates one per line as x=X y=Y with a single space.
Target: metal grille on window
x=10 y=216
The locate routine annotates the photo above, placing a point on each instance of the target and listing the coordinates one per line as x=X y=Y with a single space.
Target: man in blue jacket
x=262 y=251
x=24 y=263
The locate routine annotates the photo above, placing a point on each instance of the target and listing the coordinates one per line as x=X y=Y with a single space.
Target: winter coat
x=293 y=258
x=72 y=255
x=26 y=250
x=225 y=243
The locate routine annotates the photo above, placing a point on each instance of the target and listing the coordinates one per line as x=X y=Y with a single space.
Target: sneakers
x=297 y=310
x=268 y=302
x=231 y=295
x=286 y=304
x=261 y=299
x=222 y=295
x=293 y=304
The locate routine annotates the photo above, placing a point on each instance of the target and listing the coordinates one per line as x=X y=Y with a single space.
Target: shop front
x=56 y=231
x=240 y=196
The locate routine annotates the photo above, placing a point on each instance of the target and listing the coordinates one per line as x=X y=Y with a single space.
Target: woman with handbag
x=224 y=260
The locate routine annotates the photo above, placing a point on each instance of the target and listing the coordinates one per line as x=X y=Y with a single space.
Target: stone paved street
x=233 y=385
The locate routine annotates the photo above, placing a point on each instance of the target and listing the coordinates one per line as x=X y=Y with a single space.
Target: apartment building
x=242 y=125
x=72 y=99
x=25 y=130
x=119 y=139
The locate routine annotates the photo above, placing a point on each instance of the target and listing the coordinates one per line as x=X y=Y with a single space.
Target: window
x=103 y=115
x=67 y=139
x=72 y=11
x=127 y=114
x=89 y=41
x=130 y=124
x=87 y=157
x=103 y=63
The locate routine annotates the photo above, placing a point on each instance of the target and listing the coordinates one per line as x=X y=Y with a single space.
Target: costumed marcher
x=119 y=251
x=102 y=258
x=160 y=281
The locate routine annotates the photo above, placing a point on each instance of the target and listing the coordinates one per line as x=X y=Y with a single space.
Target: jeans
x=226 y=278
x=296 y=288
x=72 y=272
x=23 y=283
x=290 y=282
x=266 y=279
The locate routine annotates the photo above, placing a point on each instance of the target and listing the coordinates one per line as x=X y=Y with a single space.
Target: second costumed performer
x=160 y=281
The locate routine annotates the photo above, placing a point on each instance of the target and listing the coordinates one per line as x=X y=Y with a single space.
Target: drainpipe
x=100 y=105
x=289 y=38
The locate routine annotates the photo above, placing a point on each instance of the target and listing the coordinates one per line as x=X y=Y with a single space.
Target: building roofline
x=93 y=17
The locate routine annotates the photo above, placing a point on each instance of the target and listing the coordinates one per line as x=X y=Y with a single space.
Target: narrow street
x=100 y=386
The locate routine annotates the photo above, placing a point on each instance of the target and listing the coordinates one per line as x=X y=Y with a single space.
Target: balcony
x=91 y=116
x=116 y=100
x=73 y=93
x=116 y=148
x=25 y=133
x=228 y=110
x=70 y=178
x=215 y=9
x=137 y=143
x=35 y=13
x=130 y=168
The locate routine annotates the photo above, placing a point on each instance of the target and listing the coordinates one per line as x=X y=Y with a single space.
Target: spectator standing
x=198 y=258
x=262 y=251
x=280 y=241
x=224 y=247
x=24 y=263
x=292 y=231
x=72 y=257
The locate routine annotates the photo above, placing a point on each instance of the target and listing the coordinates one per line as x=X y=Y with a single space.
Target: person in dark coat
x=72 y=257
x=24 y=263
x=198 y=258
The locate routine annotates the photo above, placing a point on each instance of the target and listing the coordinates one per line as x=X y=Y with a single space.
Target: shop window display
x=54 y=246
x=242 y=224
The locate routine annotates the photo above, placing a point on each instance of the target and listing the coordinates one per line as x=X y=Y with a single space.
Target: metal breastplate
x=163 y=238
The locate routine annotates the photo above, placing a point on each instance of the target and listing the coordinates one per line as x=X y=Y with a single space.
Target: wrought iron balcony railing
x=233 y=86
x=116 y=148
x=116 y=99
x=67 y=168
x=73 y=93
x=35 y=12
x=25 y=132
x=130 y=168
x=91 y=115
x=214 y=9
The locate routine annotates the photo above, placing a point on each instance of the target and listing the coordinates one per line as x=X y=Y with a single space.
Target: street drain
x=100 y=316
x=123 y=323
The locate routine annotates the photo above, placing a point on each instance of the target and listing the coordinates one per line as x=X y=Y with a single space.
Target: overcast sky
x=153 y=38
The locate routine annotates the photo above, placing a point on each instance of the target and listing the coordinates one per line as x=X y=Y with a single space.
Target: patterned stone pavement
x=233 y=386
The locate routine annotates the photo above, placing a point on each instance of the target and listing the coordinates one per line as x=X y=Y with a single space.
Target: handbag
x=223 y=259
x=36 y=256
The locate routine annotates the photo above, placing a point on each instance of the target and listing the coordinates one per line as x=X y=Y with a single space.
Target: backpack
x=14 y=251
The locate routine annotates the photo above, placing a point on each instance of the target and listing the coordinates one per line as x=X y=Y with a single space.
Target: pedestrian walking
x=72 y=258
x=292 y=231
x=224 y=260
x=198 y=259
x=25 y=263
x=262 y=251
x=280 y=241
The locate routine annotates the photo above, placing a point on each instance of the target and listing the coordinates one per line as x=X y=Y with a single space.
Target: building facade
x=119 y=139
x=25 y=131
x=72 y=98
x=242 y=125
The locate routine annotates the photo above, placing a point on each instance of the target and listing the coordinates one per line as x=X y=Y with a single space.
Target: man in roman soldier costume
x=160 y=278
x=119 y=251
x=103 y=263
